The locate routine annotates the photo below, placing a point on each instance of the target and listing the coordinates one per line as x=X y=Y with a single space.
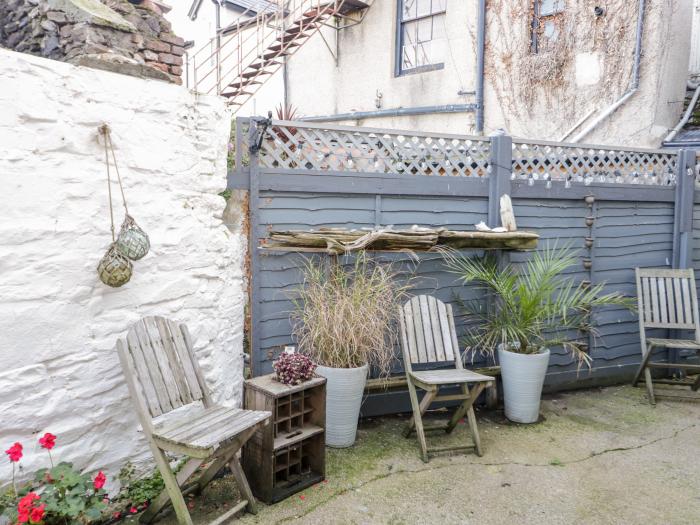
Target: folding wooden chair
x=427 y=337
x=666 y=299
x=163 y=375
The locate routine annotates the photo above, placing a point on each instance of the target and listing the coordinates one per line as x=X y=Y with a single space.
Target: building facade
x=595 y=72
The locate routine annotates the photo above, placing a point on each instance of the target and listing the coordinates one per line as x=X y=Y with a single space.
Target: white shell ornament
x=114 y=268
x=132 y=241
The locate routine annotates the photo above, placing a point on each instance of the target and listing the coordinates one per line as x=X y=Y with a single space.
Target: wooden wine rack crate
x=288 y=455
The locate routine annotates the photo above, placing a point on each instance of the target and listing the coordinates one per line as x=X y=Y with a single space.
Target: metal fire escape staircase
x=243 y=56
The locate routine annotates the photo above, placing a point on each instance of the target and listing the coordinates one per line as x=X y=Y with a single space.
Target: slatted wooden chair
x=163 y=375
x=666 y=299
x=428 y=337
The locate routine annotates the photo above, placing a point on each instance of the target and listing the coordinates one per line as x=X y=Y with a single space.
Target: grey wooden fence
x=621 y=207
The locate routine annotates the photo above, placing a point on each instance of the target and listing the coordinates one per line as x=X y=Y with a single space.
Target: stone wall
x=117 y=35
x=59 y=370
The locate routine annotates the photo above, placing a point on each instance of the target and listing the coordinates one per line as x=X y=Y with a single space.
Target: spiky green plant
x=534 y=307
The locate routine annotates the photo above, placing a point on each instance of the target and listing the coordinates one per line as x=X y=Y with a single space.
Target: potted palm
x=535 y=307
x=344 y=319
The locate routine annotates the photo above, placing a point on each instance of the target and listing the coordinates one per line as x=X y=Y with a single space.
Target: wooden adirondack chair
x=163 y=375
x=666 y=299
x=428 y=337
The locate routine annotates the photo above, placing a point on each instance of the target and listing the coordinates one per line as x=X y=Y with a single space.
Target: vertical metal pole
x=500 y=164
x=256 y=356
x=480 y=46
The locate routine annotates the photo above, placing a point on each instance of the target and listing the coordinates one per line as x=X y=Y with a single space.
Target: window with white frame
x=422 y=39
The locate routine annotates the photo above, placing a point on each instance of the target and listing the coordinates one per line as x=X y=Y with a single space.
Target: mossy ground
x=596 y=456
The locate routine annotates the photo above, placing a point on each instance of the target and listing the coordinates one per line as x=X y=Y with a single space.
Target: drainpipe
x=686 y=116
x=635 y=80
x=480 y=41
x=218 y=46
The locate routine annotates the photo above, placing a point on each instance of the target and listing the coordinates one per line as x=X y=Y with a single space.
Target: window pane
x=409 y=9
x=439 y=6
x=410 y=33
x=424 y=42
x=424 y=7
x=551 y=31
x=425 y=29
x=550 y=7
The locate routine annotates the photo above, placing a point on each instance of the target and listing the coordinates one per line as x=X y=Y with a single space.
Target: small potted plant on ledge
x=535 y=307
x=345 y=320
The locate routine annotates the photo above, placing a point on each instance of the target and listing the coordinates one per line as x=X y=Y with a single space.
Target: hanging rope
x=132 y=242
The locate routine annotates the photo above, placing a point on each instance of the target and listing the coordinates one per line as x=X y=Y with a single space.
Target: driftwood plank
x=339 y=240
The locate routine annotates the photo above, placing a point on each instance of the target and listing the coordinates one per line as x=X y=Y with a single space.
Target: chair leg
x=163 y=498
x=650 y=385
x=468 y=402
x=418 y=420
x=171 y=485
x=471 y=417
x=424 y=405
x=243 y=485
x=211 y=471
x=642 y=365
x=694 y=387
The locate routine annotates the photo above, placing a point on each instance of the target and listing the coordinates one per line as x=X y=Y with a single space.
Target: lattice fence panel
x=297 y=147
x=588 y=164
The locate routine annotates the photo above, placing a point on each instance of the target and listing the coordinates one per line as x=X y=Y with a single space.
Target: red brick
x=157 y=45
x=172 y=39
x=177 y=50
x=167 y=58
x=176 y=70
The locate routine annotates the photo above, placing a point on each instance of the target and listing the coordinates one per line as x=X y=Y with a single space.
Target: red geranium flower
x=99 y=480
x=15 y=452
x=37 y=513
x=133 y=510
x=26 y=510
x=48 y=441
x=117 y=515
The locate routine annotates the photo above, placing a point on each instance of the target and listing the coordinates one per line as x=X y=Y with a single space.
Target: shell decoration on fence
x=114 y=268
x=132 y=241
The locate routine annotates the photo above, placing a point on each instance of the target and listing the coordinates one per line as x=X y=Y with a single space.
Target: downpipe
x=686 y=116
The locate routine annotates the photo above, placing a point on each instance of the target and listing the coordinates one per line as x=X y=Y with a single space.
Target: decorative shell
x=132 y=241
x=114 y=269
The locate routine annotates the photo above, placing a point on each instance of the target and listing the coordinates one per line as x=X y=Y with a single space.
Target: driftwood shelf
x=340 y=240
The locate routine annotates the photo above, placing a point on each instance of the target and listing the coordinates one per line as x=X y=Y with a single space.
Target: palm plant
x=535 y=307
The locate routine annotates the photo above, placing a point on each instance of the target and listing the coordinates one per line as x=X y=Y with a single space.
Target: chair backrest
x=428 y=332
x=160 y=367
x=667 y=299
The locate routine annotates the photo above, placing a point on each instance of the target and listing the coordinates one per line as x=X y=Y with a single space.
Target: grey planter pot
x=344 y=390
x=523 y=377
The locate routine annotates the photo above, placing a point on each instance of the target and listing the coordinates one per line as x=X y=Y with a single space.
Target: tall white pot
x=523 y=377
x=344 y=390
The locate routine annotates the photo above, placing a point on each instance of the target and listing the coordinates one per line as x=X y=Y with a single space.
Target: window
x=422 y=39
x=545 y=23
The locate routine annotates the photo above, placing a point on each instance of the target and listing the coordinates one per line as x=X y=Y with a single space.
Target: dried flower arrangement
x=293 y=369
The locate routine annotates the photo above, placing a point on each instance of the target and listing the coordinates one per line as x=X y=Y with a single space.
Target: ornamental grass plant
x=345 y=316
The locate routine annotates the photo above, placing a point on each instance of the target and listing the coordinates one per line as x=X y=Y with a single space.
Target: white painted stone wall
x=59 y=370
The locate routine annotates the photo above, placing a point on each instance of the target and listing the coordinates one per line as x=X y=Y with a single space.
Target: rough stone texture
x=58 y=365
x=113 y=35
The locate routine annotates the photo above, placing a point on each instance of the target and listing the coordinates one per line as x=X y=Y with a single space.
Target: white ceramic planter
x=344 y=390
x=523 y=377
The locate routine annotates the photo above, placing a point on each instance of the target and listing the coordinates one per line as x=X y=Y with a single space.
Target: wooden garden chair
x=428 y=337
x=666 y=299
x=163 y=375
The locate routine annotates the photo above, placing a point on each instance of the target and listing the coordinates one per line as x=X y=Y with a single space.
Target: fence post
x=683 y=209
x=501 y=164
x=253 y=251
